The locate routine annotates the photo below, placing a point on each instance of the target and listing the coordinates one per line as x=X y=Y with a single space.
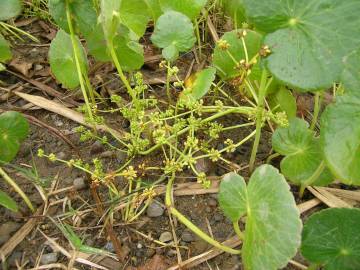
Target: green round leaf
x=135 y=15
x=224 y=60
x=265 y=201
x=62 y=60
x=308 y=39
x=190 y=8
x=9 y=9
x=13 y=130
x=8 y=202
x=155 y=8
x=340 y=138
x=351 y=75
x=235 y=9
x=284 y=101
x=331 y=238
x=5 y=52
x=82 y=11
x=302 y=153
x=173 y=29
x=127 y=48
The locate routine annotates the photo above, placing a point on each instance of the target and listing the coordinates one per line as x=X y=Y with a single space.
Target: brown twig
x=109 y=229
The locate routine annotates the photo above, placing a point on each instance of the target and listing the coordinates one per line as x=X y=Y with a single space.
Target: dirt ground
x=70 y=197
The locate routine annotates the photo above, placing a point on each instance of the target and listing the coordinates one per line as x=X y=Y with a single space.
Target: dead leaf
x=21 y=66
x=157 y=262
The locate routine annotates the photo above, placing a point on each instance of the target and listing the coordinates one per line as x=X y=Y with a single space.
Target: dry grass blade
x=57 y=108
x=79 y=256
x=305 y=206
x=345 y=194
x=19 y=236
x=328 y=198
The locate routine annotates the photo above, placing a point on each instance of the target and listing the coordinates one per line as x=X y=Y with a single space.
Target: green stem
x=317 y=105
x=12 y=183
x=237 y=230
x=168 y=77
x=198 y=37
x=121 y=73
x=259 y=119
x=77 y=61
x=243 y=110
x=192 y=226
x=271 y=157
x=312 y=178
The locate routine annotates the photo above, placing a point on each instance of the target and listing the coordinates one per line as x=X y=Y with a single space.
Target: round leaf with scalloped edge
x=265 y=201
x=308 y=38
x=173 y=33
x=302 y=153
x=331 y=238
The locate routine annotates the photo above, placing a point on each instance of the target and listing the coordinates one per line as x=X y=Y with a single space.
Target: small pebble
x=58 y=123
x=79 y=183
x=139 y=246
x=212 y=202
x=109 y=247
x=62 y=155
x=38 y=67
x=218 y=217
x=166 y=237
x=187 y=236
x=202 y=165
x=49 y=258
x=155 y=209
x=96 y=148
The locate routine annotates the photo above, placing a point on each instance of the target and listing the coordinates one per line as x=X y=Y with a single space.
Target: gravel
x=155 y=209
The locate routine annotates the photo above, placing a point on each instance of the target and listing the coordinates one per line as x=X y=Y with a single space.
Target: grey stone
x=155 y=209
x=109 y=247
x=187 y=236
x=79 y=183
x=49 y=258
x=166 y=237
